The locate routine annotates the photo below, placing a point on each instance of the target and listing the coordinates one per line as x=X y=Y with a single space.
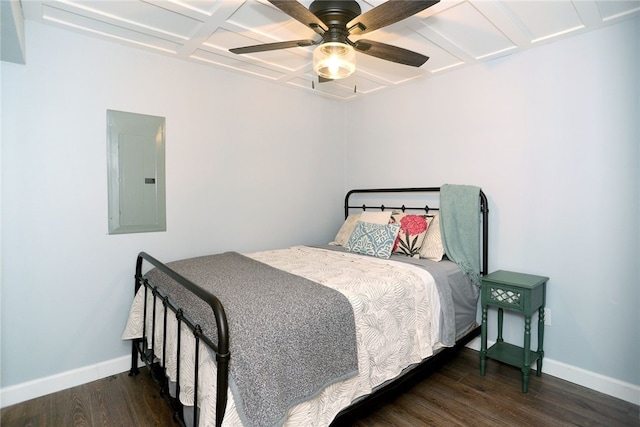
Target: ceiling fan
x=335 y=21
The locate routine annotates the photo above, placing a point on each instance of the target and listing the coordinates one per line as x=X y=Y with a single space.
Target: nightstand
x=523 y=293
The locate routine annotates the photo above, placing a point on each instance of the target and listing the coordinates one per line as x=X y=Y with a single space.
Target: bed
x=308 y=335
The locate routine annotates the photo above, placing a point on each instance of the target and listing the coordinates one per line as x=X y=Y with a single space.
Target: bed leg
x=134 y=359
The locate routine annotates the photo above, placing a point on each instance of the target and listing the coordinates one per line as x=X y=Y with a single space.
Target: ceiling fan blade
x=300 y=13
x=387 y=13
x=272 y=46
x=390 y=53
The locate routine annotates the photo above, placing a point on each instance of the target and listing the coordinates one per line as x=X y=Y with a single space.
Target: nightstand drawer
x=504 y=297
x=513 y=291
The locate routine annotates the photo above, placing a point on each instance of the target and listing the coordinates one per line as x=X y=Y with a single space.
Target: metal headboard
x=484 y=211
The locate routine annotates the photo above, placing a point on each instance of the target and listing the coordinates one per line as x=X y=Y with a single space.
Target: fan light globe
x=334 y=60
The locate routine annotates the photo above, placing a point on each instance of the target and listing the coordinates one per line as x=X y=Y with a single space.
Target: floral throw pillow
x=413 y=230
x=373 y=239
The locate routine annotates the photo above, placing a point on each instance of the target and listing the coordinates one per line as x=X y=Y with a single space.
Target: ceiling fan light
x=334 y=60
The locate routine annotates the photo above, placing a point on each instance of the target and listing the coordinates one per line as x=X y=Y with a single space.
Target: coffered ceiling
x=453 y=33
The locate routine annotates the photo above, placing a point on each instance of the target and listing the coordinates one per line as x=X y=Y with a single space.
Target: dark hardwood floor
x=455 y=395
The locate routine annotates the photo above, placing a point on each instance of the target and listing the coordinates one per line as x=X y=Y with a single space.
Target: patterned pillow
x=347 y=227
x=432 y=248
x=373 y=239
x=413 y=230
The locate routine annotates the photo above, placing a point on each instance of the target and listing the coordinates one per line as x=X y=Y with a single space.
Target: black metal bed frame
x=484 y=211
x=140 y=347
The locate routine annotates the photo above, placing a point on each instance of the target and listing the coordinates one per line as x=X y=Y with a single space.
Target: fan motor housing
x=335 y=12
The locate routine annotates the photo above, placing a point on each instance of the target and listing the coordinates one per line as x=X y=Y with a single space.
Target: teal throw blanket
x=460 y=227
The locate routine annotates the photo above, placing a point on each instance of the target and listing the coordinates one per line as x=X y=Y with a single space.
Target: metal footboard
x=140 y=347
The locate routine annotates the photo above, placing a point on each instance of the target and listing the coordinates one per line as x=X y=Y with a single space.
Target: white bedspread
x=397 y=312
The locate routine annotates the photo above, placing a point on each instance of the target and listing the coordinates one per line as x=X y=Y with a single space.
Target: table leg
x=483 y=342
x=540 y=341
x=526 y=365
x=500 y=323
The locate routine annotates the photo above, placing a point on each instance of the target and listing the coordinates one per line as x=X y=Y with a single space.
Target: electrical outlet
x=547 y=316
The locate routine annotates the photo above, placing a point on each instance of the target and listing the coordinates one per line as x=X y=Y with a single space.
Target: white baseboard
x=607 y=385
x=43 y=386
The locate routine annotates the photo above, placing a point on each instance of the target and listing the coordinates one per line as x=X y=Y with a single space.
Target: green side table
x=523 y=293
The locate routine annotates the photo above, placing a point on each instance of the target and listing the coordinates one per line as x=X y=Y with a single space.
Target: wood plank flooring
x=455 y=395
x=118 y=400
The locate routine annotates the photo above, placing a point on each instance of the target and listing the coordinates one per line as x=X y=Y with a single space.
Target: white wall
x=249 y=166
x=551 y=135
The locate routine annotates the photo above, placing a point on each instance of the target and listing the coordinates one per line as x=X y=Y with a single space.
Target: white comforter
x=397 y=312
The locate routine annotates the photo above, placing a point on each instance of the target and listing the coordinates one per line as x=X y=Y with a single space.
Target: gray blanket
x=289 y=336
